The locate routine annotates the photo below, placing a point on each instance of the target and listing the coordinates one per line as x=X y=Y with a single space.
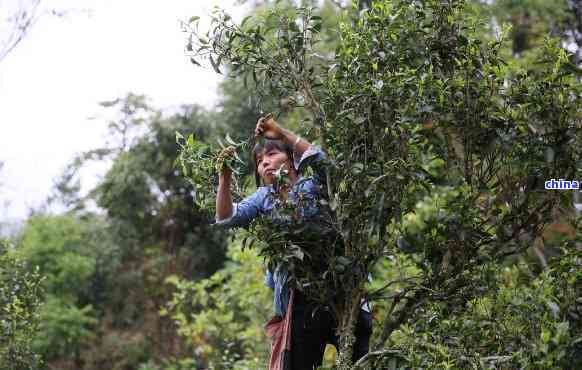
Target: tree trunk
x=347 y=329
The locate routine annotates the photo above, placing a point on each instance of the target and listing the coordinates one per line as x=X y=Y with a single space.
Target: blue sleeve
x=313 y=157
x=245 y=211
x=269 y=280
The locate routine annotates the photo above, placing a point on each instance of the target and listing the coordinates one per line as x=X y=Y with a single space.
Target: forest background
x=145 y=283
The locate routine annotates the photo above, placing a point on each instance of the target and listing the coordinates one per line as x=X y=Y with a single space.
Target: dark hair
x=267 y=145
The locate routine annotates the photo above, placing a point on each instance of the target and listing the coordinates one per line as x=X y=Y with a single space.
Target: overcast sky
x=52 y=82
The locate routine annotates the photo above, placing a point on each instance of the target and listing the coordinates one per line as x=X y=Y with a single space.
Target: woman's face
x=270 y=161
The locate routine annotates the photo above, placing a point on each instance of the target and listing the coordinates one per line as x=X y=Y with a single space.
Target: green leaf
x=238 y=159
x=229 y=140
x=545 y=335
x=245 y=19
x=357 y=168
x=179 y=137
x=220 y=143
x=316 y=27
x=215 y=65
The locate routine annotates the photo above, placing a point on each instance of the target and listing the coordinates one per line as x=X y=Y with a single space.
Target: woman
x=312 y=328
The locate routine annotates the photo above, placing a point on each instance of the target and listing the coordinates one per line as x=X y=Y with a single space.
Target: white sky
x=52 y=82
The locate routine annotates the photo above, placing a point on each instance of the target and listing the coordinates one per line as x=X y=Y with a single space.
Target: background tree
x=65 y=251
x=532 y=20
x=149 y=229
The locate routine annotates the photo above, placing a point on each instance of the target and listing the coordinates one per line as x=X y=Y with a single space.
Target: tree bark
x=346 y=329
x=348 y=317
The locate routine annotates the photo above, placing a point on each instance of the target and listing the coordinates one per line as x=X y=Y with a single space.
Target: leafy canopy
x=413 y=108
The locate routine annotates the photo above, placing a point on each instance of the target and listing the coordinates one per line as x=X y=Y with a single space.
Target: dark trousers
x=313 y=328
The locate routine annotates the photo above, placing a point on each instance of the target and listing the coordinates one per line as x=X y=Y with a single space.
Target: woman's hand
x=223 y=198
x=268 y=128
x=222 y=162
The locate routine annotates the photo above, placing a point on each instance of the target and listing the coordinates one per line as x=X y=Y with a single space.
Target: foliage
x=275 y=46
x=221 y=317
x=415 y=106
x=65 y=326
x=55 y=246
x=144 y=192
x=61 y=249
x=107 y=272
x=238 y=110
x=20 y=300
x=519 y=323
x=200 y=163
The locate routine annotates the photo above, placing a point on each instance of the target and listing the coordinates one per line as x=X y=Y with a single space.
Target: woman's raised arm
x=231 y=214
x=224 y=207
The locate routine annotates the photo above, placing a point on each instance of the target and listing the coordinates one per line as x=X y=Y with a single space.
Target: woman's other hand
x=268 y=128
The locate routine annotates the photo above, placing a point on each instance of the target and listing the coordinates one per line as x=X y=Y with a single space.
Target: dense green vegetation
x=436 y=148
x=20 y=298
x=441 y=126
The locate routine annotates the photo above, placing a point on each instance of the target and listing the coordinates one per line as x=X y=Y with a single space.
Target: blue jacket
x=261 y=203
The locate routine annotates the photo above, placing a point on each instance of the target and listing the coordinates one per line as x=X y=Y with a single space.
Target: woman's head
x=268 y=157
